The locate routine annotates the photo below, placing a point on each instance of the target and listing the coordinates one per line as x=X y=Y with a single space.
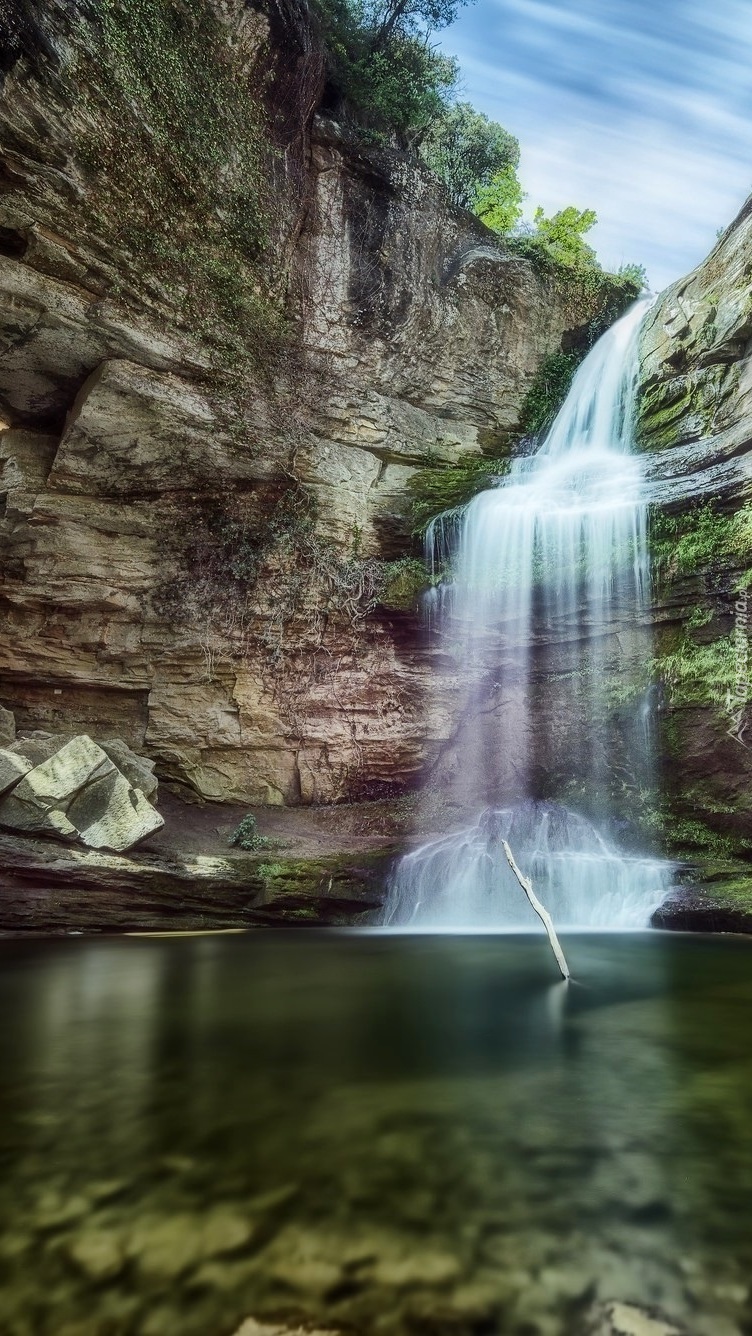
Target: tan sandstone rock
x=80 y=794
x=12 y=769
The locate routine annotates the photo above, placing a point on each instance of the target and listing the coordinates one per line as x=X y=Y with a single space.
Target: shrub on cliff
x=499 y=204
x=382 y=68
x=174 y=148
x=246 y=836
x=468 y=152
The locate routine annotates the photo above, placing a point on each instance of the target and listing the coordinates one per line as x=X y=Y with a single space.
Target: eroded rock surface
x=129 y=474
x=695 y=419
x=77 y=794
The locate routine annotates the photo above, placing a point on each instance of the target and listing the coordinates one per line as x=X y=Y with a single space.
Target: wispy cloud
x=640 y=109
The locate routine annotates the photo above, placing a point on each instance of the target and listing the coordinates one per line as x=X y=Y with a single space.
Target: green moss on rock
x=548 y=391
x=699 y=539
x=404 y=582
x=681 y=408
x=448 y=486
x=175 y=155
x=340 y=889
x=698 y=674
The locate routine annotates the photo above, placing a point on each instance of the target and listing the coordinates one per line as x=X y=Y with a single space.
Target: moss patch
x=699 y=539
x=698 y=674
x=340 y=889
x=548 y=391
x=444 y=487
x=681 y=409
x=403 y=583
x=175 y=155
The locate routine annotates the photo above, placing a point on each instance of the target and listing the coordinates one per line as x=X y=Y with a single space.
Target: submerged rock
x=164 y=1247
x=251 y=1327
x=619 y=1319
x=97 y=1253
x=78 y=793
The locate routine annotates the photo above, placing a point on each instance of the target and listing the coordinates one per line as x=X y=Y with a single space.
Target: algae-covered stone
x=164 y=1247
x=310 y=1261
x=417 y=1266
x=251 y=1327
x=53 y=1210
x=620 y=1319
x=98 y=1253
x=225 y=1230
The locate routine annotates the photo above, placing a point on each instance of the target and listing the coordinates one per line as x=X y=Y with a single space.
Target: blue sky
x=640 y=109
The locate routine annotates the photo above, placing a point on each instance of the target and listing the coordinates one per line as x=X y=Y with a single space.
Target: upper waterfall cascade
x=558 y=548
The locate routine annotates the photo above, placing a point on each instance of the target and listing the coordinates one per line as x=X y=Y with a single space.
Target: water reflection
x=375 y=1133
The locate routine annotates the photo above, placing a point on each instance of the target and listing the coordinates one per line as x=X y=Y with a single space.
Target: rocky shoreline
x=308 y=875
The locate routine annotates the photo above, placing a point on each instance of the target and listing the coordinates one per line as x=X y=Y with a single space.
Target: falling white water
x=464 y=880
x=556 y=552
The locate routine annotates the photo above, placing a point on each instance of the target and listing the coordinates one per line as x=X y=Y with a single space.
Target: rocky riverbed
x=199 y=1132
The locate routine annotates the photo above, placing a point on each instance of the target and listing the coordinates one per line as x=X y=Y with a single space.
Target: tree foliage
x=562 y=236
x=637 y=273
x=467 y=151
x=499 y=204
x=382 y=65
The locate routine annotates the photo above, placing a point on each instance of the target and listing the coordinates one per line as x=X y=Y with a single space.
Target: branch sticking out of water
x=542 y=913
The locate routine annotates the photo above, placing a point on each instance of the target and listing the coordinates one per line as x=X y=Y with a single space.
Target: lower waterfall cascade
x=557 y=548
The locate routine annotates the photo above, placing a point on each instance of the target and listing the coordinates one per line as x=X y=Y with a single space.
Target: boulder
x=34 y=748
x=12 y=769
x=621 y=1319
x=138 y=770
x=79 y=793
x=39 y=746
x=7 y=726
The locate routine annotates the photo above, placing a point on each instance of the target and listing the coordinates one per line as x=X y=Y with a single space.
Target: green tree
x=467 y=151
x=636 y=273
x=499 y=204
x=382 y=64
x=384 y=18
x=562 y=236
x=403 y=87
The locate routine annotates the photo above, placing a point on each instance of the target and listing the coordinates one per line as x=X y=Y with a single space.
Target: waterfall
x=549 y=577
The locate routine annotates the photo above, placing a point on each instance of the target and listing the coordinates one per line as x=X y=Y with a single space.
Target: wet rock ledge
x=75 y=816
x=83 y=849
x=51 y=890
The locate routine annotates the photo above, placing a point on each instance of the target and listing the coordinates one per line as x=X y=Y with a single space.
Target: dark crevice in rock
x=22 y=34
x=13 y=243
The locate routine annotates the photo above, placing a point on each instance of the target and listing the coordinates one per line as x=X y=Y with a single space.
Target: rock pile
x=78 y=791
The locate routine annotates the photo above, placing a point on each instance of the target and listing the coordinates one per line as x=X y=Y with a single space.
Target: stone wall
x=696 y=420
x=413 y=337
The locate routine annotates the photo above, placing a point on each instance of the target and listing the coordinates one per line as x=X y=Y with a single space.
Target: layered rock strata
x=160 y=581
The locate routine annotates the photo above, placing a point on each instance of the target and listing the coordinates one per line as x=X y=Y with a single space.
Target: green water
x=419 y=1135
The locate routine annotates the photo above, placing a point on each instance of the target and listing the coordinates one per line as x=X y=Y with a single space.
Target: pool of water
x=374 y=1133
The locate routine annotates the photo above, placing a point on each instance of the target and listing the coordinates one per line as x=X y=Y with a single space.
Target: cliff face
x=207 y=436
x=696 y=405
x=696 y=415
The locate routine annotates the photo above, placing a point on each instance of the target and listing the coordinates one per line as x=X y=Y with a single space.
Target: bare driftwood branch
x=542 y=913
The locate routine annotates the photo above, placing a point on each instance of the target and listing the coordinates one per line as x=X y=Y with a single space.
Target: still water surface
x=380 y=1133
